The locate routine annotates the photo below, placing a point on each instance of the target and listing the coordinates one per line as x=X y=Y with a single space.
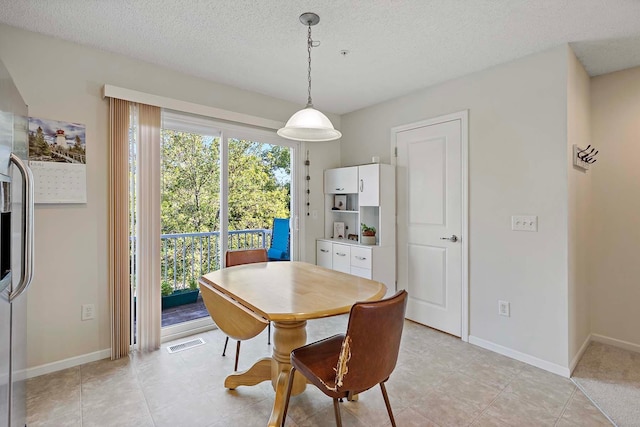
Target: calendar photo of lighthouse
x=56 y=141
x=58 y=161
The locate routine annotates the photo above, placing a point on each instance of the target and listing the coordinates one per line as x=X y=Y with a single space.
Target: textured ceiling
x=396 y=46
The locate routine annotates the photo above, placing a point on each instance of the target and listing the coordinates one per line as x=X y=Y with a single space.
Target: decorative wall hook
x=583 y=157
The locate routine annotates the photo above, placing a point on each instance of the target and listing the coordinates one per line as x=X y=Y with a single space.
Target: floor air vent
x=185 y=345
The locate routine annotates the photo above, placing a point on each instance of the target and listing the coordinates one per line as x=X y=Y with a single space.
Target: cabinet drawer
x=341 y=258
x=361 y=272
x=361 y=257
x=323 y=254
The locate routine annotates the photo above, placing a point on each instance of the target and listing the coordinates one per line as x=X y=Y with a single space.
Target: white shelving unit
x=369 y=193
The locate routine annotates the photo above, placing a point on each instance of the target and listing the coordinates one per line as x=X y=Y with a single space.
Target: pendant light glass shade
x=309 y=125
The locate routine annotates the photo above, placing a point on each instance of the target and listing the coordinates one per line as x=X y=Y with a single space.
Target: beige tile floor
x=439 y=381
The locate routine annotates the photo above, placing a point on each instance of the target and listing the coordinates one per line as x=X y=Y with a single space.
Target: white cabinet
x=371 y=262
x=324 y=253
x=361 y=257
x=356 y=195
x=361 y=262
x=369 y=185
x=361 y=272
x=341 y=257
x=370 y=201
x=341 y=180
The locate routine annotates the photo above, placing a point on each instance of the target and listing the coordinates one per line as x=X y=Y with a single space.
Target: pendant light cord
x=309 y=46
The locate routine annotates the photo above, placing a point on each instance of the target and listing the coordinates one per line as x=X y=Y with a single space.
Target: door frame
x=463 y=116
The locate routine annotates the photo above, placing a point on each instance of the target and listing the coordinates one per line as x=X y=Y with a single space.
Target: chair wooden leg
x=269 y=333
x=386 y=402
x=225 y=346
x=235 y=367
x=336 y=409
x=286 y=400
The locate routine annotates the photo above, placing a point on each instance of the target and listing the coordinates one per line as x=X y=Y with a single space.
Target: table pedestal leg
x=286 y=337
x=259 y=372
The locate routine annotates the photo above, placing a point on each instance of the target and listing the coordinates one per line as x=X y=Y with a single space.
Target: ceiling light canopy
x=309 y=124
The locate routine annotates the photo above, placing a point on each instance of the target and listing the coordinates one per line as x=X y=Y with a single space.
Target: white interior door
x=431 y=261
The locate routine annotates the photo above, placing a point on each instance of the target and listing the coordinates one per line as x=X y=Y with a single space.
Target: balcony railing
x=187 y=256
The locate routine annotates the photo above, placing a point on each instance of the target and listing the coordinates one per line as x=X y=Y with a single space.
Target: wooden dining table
x=287 y=294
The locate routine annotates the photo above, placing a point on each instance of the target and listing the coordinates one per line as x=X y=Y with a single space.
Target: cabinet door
x=369 y=185
x=341 y=258
x=341 y=180
x=323 y=254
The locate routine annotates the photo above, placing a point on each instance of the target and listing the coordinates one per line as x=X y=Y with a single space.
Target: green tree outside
x=259 y=183
x=259 y=190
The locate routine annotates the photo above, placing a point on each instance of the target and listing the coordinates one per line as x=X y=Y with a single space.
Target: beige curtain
x=147 y=227
x=119 y=287
x=149 y=316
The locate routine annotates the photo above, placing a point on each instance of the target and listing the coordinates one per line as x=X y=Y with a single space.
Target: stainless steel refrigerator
x=16 y=251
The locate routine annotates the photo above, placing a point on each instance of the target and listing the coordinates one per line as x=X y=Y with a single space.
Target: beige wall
x=517 y=165
x=62 y=81
x=579 y=208
x=524 y=117
x=615 y=249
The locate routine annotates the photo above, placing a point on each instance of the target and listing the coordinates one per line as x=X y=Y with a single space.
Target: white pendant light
x=309 y=124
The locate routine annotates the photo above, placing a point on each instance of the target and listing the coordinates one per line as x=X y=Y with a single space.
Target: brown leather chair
x=245 y=256
x=345 y=365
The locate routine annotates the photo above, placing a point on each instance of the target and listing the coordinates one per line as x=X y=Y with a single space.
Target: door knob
x=453 y=238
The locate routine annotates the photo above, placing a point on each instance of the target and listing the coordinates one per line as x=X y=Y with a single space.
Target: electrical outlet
x=503 y=308
x=524 y=223
x=88 y=312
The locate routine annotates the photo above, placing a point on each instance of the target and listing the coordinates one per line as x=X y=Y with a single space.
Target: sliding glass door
x=258 y=191
x=190 y=217
x=222 y=188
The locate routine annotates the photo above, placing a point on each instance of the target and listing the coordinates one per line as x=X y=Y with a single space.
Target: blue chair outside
x=279 y=250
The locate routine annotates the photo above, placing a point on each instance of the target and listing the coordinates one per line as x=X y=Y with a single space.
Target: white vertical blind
x=148 y=228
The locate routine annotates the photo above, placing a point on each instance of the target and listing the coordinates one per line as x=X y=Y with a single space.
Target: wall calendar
x=57 y=158
x=59 y=182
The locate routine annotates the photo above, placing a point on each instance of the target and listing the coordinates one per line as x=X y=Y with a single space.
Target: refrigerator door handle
x=27 y=227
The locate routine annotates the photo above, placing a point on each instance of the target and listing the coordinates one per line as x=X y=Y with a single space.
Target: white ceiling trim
x=110 y=91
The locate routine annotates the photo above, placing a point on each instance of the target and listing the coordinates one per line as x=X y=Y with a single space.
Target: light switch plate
x=524 y=223
x=504 y=308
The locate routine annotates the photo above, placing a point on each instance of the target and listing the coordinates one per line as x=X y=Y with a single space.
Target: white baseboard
x=194 y=328
x=523 y=357
x=48 y=368
x=626 y=345
x=578 y=356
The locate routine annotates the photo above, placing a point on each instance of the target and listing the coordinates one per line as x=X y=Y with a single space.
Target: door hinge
x=395 y=151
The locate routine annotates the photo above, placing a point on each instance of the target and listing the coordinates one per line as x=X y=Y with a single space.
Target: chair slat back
x=245 y=256
x=371 y=345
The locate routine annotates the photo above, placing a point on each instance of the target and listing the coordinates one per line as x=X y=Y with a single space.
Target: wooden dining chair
x=233 y=319
x=244 y=256
x=345 y=365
